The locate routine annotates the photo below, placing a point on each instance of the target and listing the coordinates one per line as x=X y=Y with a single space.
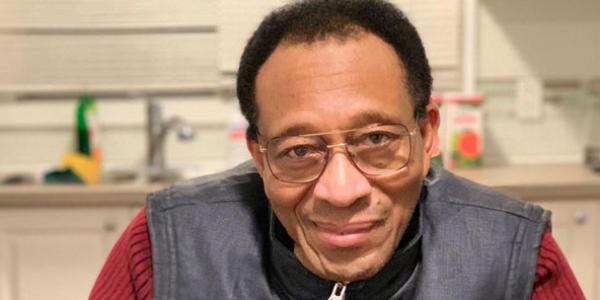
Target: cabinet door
x=55 y=253
x=575 y=228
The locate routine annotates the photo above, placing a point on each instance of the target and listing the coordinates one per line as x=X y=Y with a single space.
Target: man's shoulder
x=457 y=190
x=241 y=183
x=480 y=233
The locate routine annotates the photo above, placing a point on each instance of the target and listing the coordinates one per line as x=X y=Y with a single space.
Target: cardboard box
x=461 y=130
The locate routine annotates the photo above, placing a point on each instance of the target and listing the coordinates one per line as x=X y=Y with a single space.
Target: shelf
x=107 y=29
x=108 y=91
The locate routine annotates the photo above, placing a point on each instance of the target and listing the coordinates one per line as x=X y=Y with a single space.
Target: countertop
x=540 y=182
x=531 y=183
x=76 y=195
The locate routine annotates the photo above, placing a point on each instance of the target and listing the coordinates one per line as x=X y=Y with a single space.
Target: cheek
x=284 y=195
x=285 y=200
x=403 y=189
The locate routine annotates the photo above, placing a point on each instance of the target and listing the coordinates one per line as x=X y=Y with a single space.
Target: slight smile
x=346 y=235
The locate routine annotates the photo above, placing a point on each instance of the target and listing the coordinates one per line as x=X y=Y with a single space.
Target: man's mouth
x=345 y=235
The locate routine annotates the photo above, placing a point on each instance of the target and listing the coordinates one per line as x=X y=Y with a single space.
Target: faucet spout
x=157 y=131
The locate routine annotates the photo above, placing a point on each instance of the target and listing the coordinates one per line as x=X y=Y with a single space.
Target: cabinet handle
x=580 y=217
x=109 y=227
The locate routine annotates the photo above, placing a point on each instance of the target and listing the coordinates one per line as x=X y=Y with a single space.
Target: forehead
x=330 y=85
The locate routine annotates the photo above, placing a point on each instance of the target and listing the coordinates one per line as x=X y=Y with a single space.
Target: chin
x=361 y=268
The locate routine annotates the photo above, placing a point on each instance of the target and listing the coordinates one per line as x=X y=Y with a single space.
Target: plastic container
x=88 y=131
x=461 y=130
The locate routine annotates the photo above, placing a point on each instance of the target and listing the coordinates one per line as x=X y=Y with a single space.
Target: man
x=341 y=201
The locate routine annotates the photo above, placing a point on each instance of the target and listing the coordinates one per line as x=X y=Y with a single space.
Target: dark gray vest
x=210 y=240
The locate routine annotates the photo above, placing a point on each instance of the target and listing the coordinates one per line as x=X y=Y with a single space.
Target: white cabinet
x=438 y=23
x=70 y=46
x=55 y=253
x=572 y=193
x=576 y=228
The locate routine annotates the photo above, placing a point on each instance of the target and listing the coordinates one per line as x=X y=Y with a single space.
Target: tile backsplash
x=558 y=135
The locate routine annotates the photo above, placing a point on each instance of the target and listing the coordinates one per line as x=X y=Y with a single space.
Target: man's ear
x=431 y=138
x=429 y=132
x=257 y=156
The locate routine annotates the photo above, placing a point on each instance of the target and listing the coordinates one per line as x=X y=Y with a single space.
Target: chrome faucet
x=157 y=133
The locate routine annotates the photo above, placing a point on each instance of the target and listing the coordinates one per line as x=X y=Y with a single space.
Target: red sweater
x=127 y=273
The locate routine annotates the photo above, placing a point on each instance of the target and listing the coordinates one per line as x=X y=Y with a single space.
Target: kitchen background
x=185 y=56
x=537 y=64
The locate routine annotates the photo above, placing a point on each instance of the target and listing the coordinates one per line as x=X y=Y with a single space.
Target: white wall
x=548 y=41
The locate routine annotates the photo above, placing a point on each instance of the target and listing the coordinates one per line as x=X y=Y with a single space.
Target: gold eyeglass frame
x=410 y=134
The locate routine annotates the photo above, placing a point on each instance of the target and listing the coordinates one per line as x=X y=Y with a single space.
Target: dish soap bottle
x=88 y=135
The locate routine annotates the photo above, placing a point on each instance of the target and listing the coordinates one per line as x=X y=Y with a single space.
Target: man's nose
x=341 y=183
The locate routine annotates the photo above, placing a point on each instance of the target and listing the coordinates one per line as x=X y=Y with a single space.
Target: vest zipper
x=338 y=292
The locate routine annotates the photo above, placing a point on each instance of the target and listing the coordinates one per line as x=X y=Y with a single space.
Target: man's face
x=345 y=224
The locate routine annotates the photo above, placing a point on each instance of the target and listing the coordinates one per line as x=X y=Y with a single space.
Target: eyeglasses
x=374 y=150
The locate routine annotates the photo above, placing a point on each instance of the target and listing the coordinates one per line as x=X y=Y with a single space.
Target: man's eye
x=301 y=151
x=376 y=138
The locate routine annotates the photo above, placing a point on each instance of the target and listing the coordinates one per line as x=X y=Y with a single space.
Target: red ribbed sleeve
x=127 y=272
x=554 y=279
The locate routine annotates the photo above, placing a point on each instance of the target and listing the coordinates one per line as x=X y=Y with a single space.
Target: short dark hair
x=311 y=20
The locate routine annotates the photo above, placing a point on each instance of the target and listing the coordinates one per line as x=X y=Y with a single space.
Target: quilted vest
x=210 y=240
